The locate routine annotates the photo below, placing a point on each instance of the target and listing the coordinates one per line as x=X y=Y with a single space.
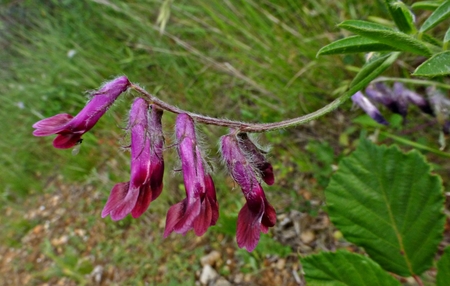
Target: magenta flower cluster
x=246 y=163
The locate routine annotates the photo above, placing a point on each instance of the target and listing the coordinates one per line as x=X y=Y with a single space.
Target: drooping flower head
x=147 y=164
x=365 y=104
x=396 y=103
x=199 y=209
x=257 y=215
x=412 y=97
x=69 y=128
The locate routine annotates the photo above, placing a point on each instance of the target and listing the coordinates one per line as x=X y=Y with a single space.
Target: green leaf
x=354 y=44
x=439 y=15
x=443 y=274
x=447 y=36
x=426 y=5
x=415 y=144
x=432 y=40
x=437 y=65
x=372 y=69
x=402 y=16
x=382 y=34
x=389 y=203
x=346 y=269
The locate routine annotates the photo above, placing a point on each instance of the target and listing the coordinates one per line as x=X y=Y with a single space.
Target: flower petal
x=173 y=216
x=267 y=173
x=126 y=205
x=117 y=195
x=66 y=140
x=203 y=219
x=156 y=178
x=191 y=212
x=143 y=200
x=269 y=218
x=248 y=229
x=51 y=125
x=211 y=196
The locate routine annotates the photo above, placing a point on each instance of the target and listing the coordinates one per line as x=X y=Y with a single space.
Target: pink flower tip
x=69 y=128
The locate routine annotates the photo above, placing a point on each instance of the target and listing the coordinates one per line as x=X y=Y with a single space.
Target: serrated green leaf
x=426 y=5
x=343 y=268
x=382 y=34
x=354 y=44
x=439 y=15
x=402 y=16
x=372 y=69
x=437 y=65
x=447 y=36
x=389 y=203
x=443 y=274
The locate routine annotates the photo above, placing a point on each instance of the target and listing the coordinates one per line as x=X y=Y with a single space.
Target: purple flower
x=257 y=157
x=69 y=128
x=396 y=103
x=147 y=165
x=359 y=99
x=199 y=210
x=257 y=215
x=414 y=98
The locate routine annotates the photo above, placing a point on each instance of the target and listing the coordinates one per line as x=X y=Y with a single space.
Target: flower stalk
x=244 y=159
x=244 y=126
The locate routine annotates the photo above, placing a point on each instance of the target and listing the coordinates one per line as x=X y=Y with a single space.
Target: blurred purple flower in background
x=395 y=102
x=243 y=161
x=366 y=105
x=147 y=164
x=399 y=98
x=199 y=210
x=69 y=128
x=412 y=97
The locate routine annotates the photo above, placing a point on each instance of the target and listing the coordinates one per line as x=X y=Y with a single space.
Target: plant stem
x=418 y=280
x=412 y=81
x=244 y=126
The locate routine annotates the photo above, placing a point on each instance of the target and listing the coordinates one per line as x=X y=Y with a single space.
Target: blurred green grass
x=243 y=60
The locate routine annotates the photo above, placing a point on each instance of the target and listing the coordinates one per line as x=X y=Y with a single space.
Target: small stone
x=281 y=263
x=222 y=282
x=307 y=236
x=97 y=274
x=210 y=258
x=208 y=274
x=60 y=241
x=38 y=229
x=239 y=278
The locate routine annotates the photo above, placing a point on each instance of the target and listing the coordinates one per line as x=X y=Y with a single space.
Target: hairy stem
x=244 y=126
